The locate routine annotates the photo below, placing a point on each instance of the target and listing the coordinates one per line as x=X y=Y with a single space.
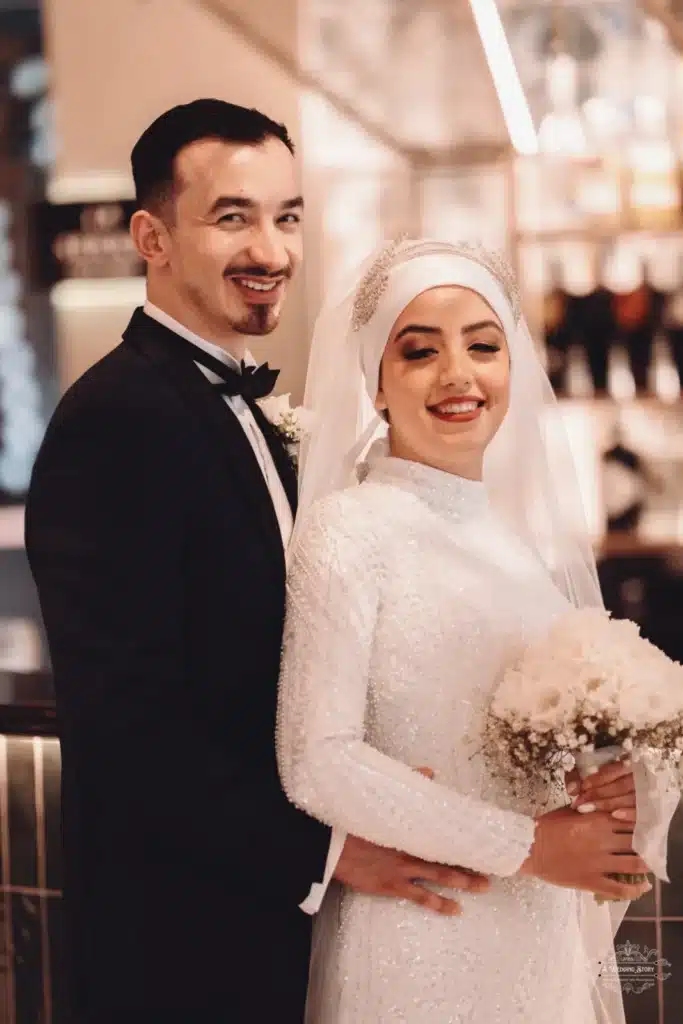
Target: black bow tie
x=253 y=382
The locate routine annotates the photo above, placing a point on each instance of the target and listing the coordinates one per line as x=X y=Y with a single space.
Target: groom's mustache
x=256 y=271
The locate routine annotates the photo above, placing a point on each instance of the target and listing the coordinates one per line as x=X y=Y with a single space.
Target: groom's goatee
x=258 y=321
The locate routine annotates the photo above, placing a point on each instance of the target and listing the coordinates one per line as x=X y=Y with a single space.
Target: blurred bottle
x=663 y=378
x=637 y=316
x=620 y=381
x=556 y=326
x=672 y=320
x=624 y=485
x=578 y=379
x=594 y=326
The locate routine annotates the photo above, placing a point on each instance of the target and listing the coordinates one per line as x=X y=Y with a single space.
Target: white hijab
x=537 y=494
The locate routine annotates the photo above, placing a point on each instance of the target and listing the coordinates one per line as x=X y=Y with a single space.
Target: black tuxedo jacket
x=156 y=551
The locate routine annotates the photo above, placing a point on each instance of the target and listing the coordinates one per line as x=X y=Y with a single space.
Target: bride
x=408 y=594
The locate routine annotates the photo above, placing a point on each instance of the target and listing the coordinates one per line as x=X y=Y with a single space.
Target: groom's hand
x=383 y=872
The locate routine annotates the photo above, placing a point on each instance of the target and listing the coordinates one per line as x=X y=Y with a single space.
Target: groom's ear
x=150 y=237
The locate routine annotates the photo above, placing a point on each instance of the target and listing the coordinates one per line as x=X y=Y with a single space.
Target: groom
x=159 y=510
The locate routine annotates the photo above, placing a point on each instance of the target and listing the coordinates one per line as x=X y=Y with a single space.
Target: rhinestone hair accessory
x=376 y=280
x=373 y=286
x=499 y=267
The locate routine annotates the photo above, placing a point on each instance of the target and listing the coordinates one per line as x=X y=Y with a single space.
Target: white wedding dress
x=407 y=597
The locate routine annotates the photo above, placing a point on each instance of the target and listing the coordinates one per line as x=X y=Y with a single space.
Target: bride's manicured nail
x=592 y=770
x=621 y=815
x=586 y=808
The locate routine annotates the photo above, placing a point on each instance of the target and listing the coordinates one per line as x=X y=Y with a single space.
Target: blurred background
x=552 y=130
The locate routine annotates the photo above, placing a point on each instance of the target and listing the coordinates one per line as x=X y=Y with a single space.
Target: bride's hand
x=582 y=851
x=611 y=789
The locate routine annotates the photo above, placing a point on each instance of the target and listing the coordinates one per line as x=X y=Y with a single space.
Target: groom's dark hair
x=153 y=156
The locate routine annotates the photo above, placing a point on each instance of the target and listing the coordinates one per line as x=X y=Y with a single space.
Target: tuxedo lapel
x=281 y=458
x=156 y=342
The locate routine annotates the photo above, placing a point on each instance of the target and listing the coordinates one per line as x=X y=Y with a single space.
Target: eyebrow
x=471 y=328
x=242 y=203
x=417 y=329
x=427 y=329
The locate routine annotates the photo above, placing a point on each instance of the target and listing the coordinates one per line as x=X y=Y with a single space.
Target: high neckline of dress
x=442 y=492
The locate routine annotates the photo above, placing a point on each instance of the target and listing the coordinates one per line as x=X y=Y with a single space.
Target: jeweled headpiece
x=373 y=285
x=376 y=280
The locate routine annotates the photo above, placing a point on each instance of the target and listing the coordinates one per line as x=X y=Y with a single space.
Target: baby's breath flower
x=592 y=681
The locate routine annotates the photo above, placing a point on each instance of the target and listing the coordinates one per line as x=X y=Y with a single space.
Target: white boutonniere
x=293 y=424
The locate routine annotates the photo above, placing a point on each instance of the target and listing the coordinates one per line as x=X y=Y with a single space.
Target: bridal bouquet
x=592 y=690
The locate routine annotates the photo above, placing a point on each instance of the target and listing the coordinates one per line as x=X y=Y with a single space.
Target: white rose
x=275 y=407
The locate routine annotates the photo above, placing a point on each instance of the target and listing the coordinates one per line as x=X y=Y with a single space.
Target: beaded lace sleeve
x=327 y=767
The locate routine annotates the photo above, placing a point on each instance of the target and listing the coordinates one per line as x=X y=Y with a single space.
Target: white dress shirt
x=243 y=413
x=283 y=511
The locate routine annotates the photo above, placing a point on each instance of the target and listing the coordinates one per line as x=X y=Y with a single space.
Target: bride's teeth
x=454 y=409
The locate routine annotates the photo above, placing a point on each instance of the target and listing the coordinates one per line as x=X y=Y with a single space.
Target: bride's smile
x=445 y=380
